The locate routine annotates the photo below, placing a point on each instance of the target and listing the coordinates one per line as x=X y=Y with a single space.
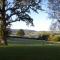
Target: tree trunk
x=3 y=33
x=3 y=39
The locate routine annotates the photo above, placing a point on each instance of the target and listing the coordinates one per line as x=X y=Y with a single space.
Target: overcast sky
x=41 y=21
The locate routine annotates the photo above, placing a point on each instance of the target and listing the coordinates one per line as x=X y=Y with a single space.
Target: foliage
x=50 y=37
x=54 y=38
x=54 y=13
x=19 y=9
x=20 y=32
x=44 y=35
x=54 y=6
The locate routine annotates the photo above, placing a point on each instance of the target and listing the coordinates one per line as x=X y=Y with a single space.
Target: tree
x=54 y=13
x=18 y=8
x=20 y=33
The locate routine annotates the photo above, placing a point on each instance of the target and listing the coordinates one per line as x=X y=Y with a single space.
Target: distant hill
x=33 y=33
x=27 y=32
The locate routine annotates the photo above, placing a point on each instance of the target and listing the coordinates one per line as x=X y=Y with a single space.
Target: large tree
x=54 y=13
x=19 y=9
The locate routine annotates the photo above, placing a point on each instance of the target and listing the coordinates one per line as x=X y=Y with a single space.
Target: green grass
x=30 y=50
x=26 y=42
x=30 y=53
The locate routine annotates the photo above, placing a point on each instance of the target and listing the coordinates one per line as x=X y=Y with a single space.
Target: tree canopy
x=54 y=13
x=18 y=8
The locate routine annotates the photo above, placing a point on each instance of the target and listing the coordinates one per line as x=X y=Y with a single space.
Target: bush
x=20 y=33
x=50 y=37
x=44 y=35
x=54 y=38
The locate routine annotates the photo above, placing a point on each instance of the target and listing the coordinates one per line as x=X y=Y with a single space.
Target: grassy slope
x=30 y=53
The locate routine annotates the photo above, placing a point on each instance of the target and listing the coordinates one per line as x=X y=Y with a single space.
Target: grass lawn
x=30 y=53
x=30 y=50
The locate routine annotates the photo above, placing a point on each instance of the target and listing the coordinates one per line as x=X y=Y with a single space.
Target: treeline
x=45 y=35
x=49 y=36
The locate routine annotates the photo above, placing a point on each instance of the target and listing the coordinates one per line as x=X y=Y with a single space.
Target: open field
x=19 y=49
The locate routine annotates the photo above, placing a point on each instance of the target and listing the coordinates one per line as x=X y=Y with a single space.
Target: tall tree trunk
x=3 y=34
x=3 y=39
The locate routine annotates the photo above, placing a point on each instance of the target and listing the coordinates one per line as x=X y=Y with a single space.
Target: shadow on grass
x=30 y=53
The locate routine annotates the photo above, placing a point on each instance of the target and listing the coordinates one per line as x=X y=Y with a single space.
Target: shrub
x=54 y=38
x=44 y=35
x=50 y=37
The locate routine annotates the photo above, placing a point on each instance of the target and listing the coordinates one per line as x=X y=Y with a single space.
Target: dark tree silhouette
x=19 y=9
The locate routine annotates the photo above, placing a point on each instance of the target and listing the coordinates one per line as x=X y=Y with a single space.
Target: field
x=20 y=49
x=30 y=42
